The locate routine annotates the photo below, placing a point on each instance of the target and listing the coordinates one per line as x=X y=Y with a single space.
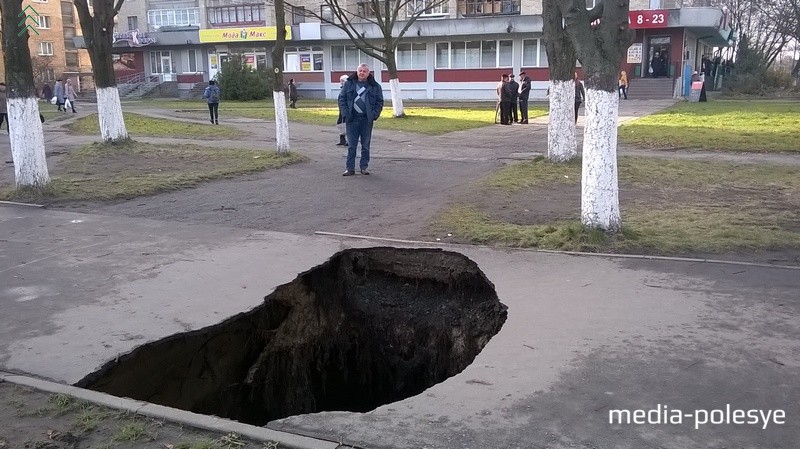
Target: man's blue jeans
x=359 y=128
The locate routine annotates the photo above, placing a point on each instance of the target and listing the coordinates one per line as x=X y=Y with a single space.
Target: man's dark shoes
x=348 y=173
x=364 y=171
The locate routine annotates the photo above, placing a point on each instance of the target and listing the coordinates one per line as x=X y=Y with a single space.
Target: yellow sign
x=243 y=34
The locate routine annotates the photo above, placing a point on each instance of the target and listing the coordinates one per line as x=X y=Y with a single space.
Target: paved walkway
x=584 y=335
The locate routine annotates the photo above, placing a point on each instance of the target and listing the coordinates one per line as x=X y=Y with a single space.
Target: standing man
x=524 y=92
x=513 y=90
x=360 y=103
x=4 y=107
x=505 y=100
x=212 y=94
x=292 y=94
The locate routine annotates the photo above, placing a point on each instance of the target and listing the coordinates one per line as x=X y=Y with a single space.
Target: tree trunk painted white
x=561 y=143
x=599 y=186
x=109 y=113
x=27 y=143
x=281 y=123
x=397 y=97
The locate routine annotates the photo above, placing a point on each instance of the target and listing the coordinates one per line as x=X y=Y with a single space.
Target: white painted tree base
x=109 y=113
x=397 y=98
x=561 y=143
x=281 y=123
x=27 y=143
x=599 y=184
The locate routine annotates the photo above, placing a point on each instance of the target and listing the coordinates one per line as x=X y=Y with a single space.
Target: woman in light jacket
x=623 y=84
x=69 y=94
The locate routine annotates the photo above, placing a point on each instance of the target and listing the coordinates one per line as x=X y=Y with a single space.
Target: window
x=49 y=75
x=298 y=15
x=157 y=18
x=160 y=62
x=534 y=53
x=236 y=15
x=474 y=54
x=191 y=62
x=44 y=22
x=303 y=59
x=133 y=22
x=71 y=59
x=40 y=1
x=45 y=48
x=346 y=57
x=365 y=8
x=488 y=7
x=428 y=7
x=411 y=56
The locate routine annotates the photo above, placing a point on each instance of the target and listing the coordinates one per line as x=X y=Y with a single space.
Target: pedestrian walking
x=212 y=94
x=47 y=92
x=70 y=96
x=580 y=95
x=292 y=94
x=4 y=107
x=524 y=93
x=360 y=103
x=340 y=125
x=58 y=92
x=623 y=84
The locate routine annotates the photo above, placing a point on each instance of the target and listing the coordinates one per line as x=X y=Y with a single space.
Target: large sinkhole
x=366 y=328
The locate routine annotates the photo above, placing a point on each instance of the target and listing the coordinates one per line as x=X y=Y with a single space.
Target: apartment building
x=456 y=50
x=53 y=51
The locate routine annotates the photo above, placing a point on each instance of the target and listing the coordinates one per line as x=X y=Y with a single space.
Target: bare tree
x=97 y=25
x=24 y=126
x=279 y=99
x=392 y=18
x=40 y=65
x=601 y=37
x=561 y=57
x=767 y=22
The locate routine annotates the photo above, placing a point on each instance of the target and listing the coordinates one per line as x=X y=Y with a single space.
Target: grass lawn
x=728 y=125
x=140 y=125
x=101 y=171
x=432 y=120
x=668 y=207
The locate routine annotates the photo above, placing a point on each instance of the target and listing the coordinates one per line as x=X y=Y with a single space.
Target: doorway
x=658 y=50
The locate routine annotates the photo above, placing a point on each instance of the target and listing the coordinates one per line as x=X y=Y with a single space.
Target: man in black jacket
x=524 y=92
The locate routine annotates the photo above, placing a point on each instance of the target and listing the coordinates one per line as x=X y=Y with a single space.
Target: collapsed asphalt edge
x=206 y=422
x=568 y=253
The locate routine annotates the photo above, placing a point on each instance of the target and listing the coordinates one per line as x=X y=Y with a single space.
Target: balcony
x=236 y=16
x=482 y=8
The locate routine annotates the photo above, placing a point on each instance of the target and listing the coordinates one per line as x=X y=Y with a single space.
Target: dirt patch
x=34 y=419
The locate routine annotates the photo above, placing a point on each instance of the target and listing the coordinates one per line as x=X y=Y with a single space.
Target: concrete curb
x=569 y=253
x=206 y=422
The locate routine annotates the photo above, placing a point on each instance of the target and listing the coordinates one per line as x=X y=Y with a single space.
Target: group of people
x=510 y=95
x=63 y=93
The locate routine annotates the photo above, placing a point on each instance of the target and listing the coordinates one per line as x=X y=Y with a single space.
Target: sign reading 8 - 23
x=649 y=18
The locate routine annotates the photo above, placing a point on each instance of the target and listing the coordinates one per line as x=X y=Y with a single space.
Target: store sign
x=650 y=18
x=134 y=38
x=242 y=34
x=635 y=53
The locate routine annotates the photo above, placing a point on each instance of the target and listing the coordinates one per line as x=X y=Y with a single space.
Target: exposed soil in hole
x=368 y=327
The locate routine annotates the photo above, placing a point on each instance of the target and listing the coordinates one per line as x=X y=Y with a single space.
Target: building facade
x=456 y=50
x=54 y=54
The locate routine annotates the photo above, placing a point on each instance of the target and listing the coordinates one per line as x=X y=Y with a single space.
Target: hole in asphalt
x=366 y=328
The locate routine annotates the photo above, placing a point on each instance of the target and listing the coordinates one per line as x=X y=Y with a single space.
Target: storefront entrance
x=658 y=57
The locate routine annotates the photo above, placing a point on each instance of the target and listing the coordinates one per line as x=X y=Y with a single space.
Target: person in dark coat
x=504 y=97
x=292 y=94
x=513 y=90
x=524 y=93
x=580 y=95
x=47 y=92
x=360 y=103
